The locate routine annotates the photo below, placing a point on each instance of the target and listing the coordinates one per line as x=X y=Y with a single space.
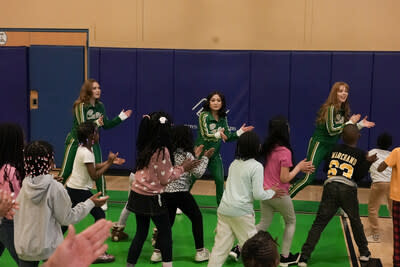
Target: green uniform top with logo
x=208 y=127
x=325 y=136
x=85 y=112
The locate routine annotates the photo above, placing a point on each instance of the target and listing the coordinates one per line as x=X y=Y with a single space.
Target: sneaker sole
x=233 y=256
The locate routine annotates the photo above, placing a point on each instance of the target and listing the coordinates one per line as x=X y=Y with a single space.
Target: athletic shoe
x=105 y=258
x=235 y=253
x=154 y=237
x=302 y=261
x=178 y=211
x=117 y=233
x=156 y=256
x=290 y=260
x=365 y=258
x=375 y=238
x=202 y=255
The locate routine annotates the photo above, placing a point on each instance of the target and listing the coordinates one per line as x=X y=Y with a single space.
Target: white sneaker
x=202 y=255
x=178 y=211
x=375 y=238
x=156 y=256
x=104 y=207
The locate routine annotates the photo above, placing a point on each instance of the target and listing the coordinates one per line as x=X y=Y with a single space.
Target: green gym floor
x=330 y=251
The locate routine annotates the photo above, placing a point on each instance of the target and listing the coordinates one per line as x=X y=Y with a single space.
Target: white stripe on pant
x=241 y=227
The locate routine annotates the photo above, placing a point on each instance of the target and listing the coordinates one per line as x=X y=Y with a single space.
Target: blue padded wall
x=269 y=88
x=57 y=72
x=94 y=63
x=385 y=106
x=117 y=77
x=310 y=84
x=198 y=73
x=14 y=86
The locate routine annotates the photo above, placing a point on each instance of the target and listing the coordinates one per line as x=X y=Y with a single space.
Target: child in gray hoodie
x=44 y=207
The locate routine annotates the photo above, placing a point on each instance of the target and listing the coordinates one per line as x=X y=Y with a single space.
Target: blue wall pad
x=118 y=83
x=14 y=86
x=94 y=63
x=310 y=84
x=198 y=73
x=269 y=89
x=385 y=106
x=57 y=73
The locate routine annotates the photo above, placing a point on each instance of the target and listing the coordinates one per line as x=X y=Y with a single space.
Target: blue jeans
x=7 y=237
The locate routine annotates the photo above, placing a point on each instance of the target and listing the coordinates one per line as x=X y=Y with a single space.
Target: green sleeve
x=205 y=132
x=231 y=135
x=331 y=126
x=108 y=124
x=79 y=113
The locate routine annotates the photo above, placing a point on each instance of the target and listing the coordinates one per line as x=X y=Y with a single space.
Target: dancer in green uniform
x=213 y=127
x=88 y=108
x=333 y=115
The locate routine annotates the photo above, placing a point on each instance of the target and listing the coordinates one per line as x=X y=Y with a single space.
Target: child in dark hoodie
x=44 y=207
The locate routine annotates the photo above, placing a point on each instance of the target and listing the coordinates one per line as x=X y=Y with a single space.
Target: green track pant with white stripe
x=316 y=152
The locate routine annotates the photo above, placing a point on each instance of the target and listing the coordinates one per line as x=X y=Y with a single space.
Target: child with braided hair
x=44 y=207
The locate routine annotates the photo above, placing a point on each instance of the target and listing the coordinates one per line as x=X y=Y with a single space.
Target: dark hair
x=350 y=134
x=158 y=131
x=222 y=110
x=12 y=148
x=384 y=141
x=39 y=158
x=248 y=146
x=84 y=131
x=278 y=135
x=183 y=138
x=260 y=251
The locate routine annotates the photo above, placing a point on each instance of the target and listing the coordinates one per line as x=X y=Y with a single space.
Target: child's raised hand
x=306 y=166
x=119 y=161
x=371 y=158
x=97 y=200
x=208 y=153
x=198 y=150
x=355 y=118
x=245 y=128
x=366 y=123
x=189 y=164
x=112 y=156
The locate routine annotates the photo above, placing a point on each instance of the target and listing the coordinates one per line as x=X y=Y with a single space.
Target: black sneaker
x=290 y=260
x=235 y=253
x=364 y=258
x=302 y=261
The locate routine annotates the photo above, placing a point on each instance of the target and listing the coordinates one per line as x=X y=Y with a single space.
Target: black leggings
x=186 y=202
x=142 y=228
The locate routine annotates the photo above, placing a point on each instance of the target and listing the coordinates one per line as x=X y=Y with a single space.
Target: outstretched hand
x=128 y=113
x=355 y=118
x=245 y=128
x=83 y=249
x=119 y=161
x=366 y=123
x=306 y=166
x=198 y=150
x=112 y=156
x=223 y=136
x=371 y=158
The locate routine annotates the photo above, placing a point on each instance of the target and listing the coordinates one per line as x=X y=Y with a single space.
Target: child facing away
x=236 y=217
x=154 y=170
x=177 y=194
x=347 y=164
x=85 y=171
x=44 y=207
x=380 y=186
x=393 y=161
x=260 y=251
x=11 y=176
x=278 y=172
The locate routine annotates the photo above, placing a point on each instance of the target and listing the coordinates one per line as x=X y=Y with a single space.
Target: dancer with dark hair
x=213 y=128
x=260 y=251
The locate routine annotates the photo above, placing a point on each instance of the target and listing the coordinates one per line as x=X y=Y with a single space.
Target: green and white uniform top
x=209 y=134
x=86 y=112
